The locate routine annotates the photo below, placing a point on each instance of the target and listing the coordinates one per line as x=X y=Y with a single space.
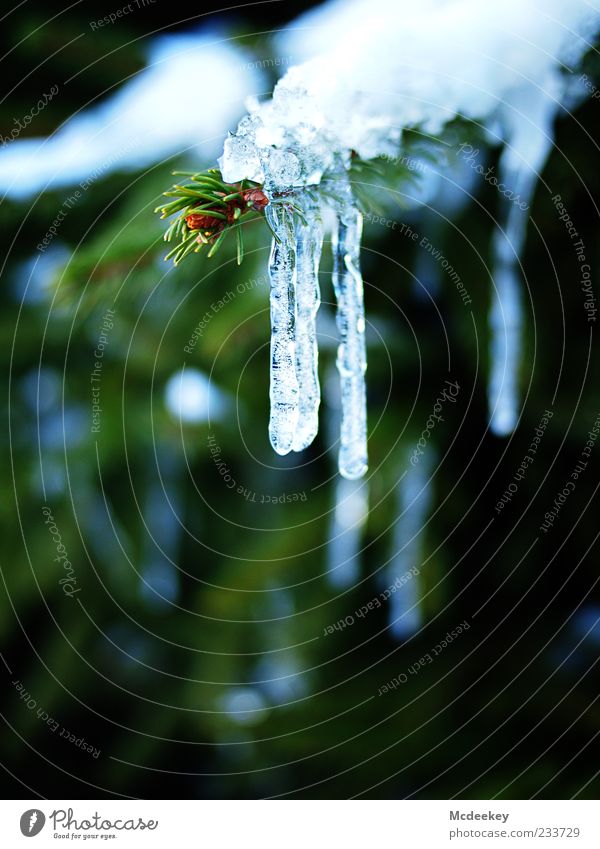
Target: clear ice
x=295 y=298
x=309 y=241
x=282 y=276
x=352 y=357
x=261 y=151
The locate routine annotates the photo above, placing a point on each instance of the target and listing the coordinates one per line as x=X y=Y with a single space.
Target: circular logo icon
x=32 y=822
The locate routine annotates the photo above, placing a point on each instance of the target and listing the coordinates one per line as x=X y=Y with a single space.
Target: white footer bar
x=302 y=824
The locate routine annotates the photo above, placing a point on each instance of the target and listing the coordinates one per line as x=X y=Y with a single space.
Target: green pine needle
x=218 y=205
x=240 y=244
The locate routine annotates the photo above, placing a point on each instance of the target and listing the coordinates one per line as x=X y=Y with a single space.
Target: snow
x=148 y=119
x=368 y=76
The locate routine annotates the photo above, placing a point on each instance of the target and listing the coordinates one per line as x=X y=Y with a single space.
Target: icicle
x=309 y=241
x=351 y=505
x=413 y=501
x=530 y=141
x=506 y=315
x=344 y=546
x=282 y=275
x=352 y=358
x=506 y=332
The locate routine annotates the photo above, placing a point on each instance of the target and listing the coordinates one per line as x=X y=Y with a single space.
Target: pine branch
x=207 y=210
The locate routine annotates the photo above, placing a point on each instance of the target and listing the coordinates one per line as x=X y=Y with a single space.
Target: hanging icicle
x=309 y=241
x=350 y=510
x=352 y=357
x=346 y=532
x=282 y=276
x=295 y=298
x=530 y=141
x=413 y=499
x=506 y=332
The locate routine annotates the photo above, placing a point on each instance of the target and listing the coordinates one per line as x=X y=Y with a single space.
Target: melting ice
x=512 y=77
x=309 y=241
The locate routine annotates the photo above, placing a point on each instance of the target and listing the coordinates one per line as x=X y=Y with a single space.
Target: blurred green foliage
x=147 y=680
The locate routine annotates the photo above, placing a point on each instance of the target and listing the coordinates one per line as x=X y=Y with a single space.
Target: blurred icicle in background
x=414 y=495
x=530 y=140
x=159 y=579
x=351 y=501
x=191 y=399
x=345 y=534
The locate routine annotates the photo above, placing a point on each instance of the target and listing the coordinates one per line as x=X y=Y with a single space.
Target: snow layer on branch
x=147 y=119
x=407 y=65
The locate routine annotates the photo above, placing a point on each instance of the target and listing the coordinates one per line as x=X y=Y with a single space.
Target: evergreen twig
x=208 y=208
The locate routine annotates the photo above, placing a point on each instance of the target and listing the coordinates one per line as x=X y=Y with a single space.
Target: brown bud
x=256 y=198
x=198 y=221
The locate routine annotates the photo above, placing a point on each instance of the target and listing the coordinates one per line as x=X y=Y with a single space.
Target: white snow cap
x=408 y=65
x=142 y=121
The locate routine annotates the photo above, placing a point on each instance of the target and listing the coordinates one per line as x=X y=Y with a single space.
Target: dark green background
x=509 y=709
